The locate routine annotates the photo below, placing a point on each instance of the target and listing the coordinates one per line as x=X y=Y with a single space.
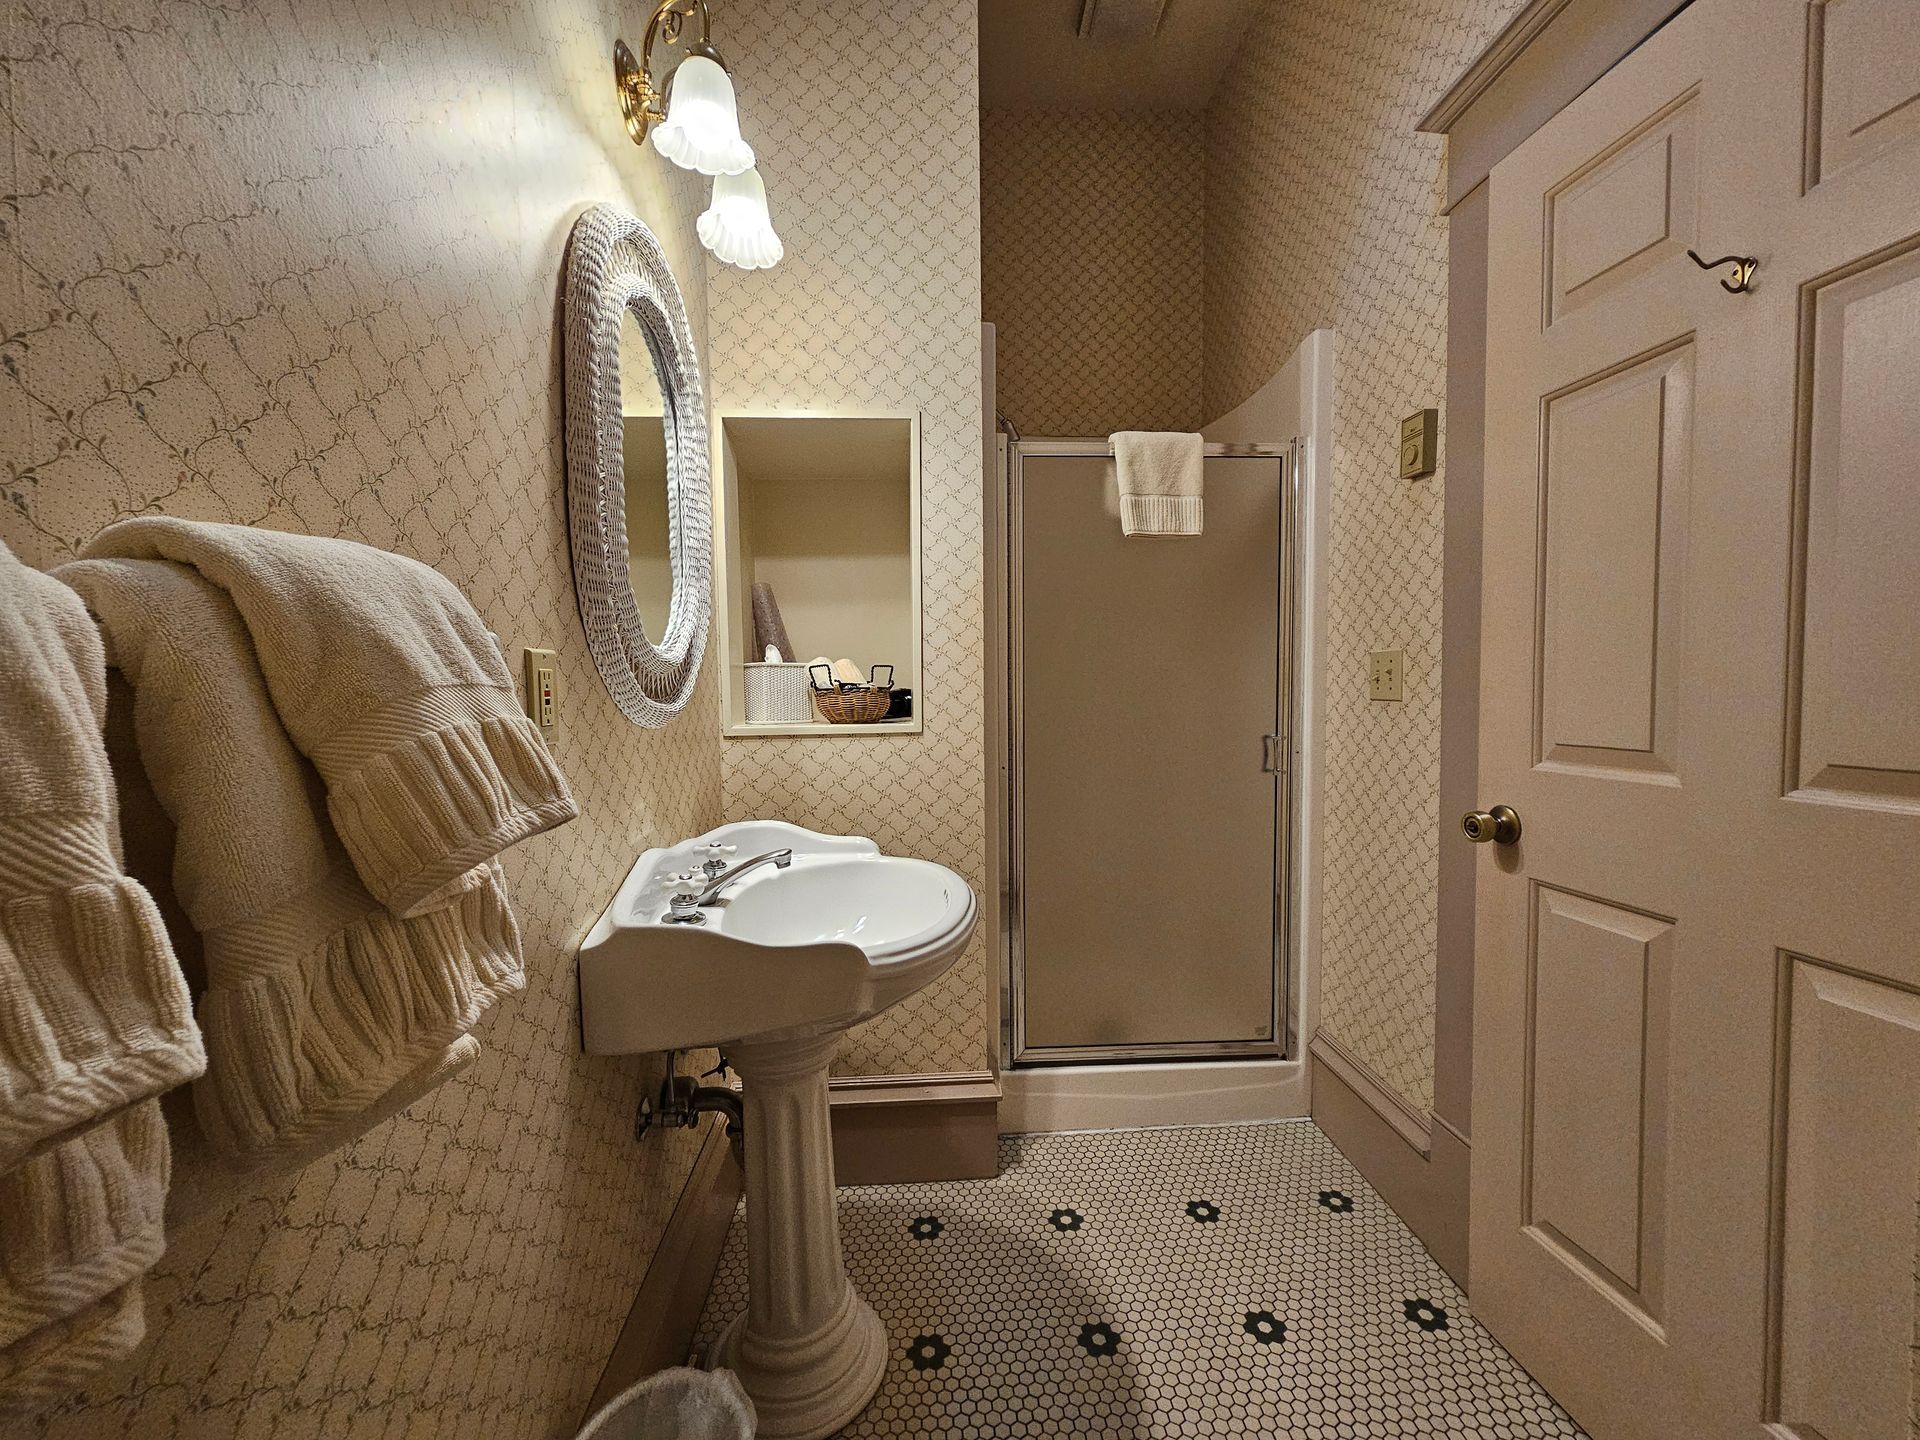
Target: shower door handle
x=1273 y=755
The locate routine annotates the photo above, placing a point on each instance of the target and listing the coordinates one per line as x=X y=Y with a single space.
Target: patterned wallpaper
x=1323 y=209
x=1091 y=247
x=299 y=265
x=863 y=115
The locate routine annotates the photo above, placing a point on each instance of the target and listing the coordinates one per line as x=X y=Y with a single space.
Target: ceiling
x=1032 y=57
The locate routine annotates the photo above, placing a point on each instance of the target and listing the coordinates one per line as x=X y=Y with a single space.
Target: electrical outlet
x=1385 y=673
x=543 y=691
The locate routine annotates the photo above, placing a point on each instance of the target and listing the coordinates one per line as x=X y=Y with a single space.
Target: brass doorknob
x=1501 y=825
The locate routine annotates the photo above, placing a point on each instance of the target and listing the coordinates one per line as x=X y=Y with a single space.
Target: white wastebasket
x=677 y=1405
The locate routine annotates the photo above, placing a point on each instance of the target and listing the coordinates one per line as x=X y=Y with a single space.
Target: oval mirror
x=643 y=454
x=636 y=427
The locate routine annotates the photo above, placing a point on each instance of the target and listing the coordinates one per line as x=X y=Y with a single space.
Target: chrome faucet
x=684 y=907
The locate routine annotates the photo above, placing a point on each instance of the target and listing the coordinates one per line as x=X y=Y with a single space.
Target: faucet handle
x=713 y=868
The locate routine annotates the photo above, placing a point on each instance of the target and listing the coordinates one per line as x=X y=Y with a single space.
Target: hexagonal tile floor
x=1241 y=1280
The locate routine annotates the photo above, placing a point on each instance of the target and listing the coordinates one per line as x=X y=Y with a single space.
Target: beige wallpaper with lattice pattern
x=863 y=114
x=1091 y=247
x=299 y=265
x=1323 y=209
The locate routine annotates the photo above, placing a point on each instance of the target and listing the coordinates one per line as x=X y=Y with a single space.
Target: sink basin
x=775 y=970
x=835 y=938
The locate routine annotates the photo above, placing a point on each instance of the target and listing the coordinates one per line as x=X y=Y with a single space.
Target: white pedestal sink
x=775 y=971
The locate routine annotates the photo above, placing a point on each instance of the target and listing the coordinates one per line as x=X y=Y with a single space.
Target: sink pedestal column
x=808 y=1349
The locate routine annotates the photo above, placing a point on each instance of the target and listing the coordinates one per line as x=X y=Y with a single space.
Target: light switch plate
x=543 y=691
x=1385 y=674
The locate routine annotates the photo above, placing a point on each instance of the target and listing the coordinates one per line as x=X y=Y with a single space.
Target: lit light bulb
x=702 y=128
x=736 y=226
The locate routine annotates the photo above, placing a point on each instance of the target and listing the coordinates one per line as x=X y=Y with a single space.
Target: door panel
x=1701 y=519
x=1613 y=510
x=1850 y=1154
x=1857 y=574
x=1148 y=829
x=1863 y=65
x=1597 y=1091
x=1625 y=213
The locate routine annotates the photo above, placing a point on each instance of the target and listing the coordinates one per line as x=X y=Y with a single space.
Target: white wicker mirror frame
x=615 y=267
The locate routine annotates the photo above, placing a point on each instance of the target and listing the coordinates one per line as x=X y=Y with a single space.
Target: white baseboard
x=1185 y=1092
x=1413 y=1126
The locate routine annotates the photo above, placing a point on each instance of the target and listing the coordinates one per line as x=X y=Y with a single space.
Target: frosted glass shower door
x=1148 y=825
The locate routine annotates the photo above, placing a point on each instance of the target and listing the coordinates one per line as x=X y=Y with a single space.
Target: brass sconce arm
x=641 y=101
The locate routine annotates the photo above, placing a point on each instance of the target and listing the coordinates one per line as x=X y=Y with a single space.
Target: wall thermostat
x=1419 y=444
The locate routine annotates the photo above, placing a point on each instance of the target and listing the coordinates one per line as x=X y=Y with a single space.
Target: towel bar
x=1099 y=446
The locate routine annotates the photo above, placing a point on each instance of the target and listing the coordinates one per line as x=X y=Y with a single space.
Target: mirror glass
x=644 y=460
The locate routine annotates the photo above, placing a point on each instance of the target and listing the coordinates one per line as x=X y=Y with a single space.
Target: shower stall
x=1149 y=755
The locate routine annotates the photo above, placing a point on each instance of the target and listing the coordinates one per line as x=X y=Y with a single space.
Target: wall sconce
x=694 y=122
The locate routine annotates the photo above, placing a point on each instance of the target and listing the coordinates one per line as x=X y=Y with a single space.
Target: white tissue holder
x=777 y=693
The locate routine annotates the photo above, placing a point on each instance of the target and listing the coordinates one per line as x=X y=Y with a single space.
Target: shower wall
x=1091 y=239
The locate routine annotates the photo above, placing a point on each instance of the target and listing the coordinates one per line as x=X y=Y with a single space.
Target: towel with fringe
x=386 y=679
x=95 y=1018
x=319 y=1001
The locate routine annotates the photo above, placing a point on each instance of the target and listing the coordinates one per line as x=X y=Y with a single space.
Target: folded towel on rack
x=94 y=1013
x=320 y=1003
x=95 y=1018
x=1160 y=474
x=386 y=679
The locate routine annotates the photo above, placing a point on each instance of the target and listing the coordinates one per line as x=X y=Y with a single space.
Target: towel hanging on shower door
x=1161 y=475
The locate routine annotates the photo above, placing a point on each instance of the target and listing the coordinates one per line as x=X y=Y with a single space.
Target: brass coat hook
x=1743 y=268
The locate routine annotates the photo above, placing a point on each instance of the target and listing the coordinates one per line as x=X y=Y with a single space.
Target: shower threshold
x=1145 y=1094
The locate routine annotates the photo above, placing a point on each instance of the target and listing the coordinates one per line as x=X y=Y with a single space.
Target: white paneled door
x=1696 y=1165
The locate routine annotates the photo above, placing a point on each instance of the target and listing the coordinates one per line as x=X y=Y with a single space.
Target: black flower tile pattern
x=1273 y=1322
x=1099 y=1339
x=1265 y=1326
x=1338 y=1201
x=1205 y=1211
x=925 y=1227
x=1066 y=1220
x=928 y=1352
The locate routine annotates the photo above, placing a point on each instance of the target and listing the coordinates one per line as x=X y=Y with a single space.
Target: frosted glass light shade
x=736 y=226
x=702 y=128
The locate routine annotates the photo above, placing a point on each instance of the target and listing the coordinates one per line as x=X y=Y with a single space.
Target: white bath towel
x=1160 y=474
x=84 y=1221
x=95 y=1019
x=94 y=1013
x=386 y=679
x=320 y=1002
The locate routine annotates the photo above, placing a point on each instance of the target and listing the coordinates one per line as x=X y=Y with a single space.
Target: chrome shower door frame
x=1015 y=1047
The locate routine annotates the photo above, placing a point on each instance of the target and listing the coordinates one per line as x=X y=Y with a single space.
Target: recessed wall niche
x=825 y=510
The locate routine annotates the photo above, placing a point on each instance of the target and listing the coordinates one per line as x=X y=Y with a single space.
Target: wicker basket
x=776 y=693
x=853 y=707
